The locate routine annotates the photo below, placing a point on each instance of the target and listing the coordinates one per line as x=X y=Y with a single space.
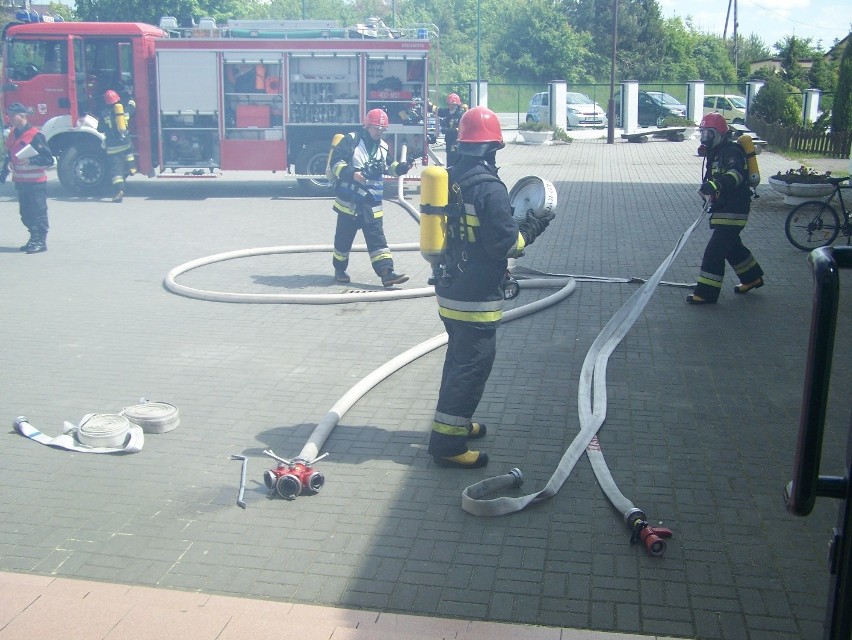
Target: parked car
x=654 y=108
x=582 y=111
x=732 y=108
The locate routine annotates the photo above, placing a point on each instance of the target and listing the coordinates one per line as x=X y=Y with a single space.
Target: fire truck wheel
x=312 y=162
x=82 y=170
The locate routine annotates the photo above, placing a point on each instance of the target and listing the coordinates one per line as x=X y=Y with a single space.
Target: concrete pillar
x=482 y=94
x=695 y=100
x=630 y=106
x=810 y=105
x=752 y=89
x=558 y=90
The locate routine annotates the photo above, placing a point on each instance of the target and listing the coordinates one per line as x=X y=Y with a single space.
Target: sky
x=770 y=20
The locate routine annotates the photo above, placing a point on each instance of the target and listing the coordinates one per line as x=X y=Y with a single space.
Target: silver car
x=583 y=112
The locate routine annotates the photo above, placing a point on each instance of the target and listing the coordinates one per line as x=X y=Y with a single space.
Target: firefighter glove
x=532 y=227
x=708 y=188
x=402 y=168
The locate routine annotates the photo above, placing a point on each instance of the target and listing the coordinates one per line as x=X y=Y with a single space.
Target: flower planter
x=798 y=192
x=537 y=137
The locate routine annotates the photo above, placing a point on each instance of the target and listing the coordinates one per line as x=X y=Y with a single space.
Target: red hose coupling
x=654 y=538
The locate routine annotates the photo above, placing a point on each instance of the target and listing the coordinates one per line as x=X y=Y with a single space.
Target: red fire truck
x=252 y=95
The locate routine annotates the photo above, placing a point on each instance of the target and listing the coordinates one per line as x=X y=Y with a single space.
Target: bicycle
x=815 y=223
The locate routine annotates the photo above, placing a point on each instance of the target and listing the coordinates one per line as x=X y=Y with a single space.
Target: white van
x=732 y=108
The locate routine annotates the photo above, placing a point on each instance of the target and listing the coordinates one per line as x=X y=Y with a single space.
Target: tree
x=539 y=45
x=841 y=112
x=774 y=103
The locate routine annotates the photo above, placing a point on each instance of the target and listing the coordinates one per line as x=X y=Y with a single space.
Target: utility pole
x=610 y=127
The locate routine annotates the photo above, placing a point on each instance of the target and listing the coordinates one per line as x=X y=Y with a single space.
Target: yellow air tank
x=434 y=196
x=120 y=117
x=334 y=142
x=747 y=144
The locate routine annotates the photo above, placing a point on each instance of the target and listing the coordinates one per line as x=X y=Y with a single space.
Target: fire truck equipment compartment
x=253 y=115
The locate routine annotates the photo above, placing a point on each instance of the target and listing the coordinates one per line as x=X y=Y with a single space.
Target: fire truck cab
x=254 y=95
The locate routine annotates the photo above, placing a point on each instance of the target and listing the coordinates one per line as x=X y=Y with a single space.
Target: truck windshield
x=30 y=58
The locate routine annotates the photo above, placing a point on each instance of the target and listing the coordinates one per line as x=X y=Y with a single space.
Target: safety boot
x=341 y=276
x=37 y=246
x=119 y=196
x=389 y=278
x=467 y=460
x=25 y=247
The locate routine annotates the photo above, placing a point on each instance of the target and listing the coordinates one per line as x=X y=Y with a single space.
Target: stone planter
x=799 y=192
x=537 y=137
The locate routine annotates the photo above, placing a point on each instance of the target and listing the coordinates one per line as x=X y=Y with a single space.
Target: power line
x=783 y=17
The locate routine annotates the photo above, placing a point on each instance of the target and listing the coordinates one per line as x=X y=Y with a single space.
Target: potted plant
x=798 y=185
x=541 y=133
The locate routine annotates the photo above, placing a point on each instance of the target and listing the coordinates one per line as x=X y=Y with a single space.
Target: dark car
x=654 y=108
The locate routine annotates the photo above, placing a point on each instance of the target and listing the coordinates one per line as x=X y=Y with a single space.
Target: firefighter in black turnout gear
x=726 y=185
x=449 y=117
x=114 y=123
x=28 y=156
x=481 y=235
x=358 y=164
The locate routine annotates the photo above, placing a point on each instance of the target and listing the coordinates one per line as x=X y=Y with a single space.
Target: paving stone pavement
x=703 y=407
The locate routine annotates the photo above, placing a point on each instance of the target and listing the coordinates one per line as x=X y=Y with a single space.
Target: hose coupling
x=517 y=477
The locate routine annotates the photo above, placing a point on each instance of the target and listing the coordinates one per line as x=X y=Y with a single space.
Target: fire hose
x=592 y=383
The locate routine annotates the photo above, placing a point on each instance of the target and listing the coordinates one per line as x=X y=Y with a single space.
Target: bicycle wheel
x=812 y=224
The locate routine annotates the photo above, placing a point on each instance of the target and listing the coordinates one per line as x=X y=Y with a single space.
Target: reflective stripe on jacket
x=474 y=291
x=32 y=171
x=727 y=165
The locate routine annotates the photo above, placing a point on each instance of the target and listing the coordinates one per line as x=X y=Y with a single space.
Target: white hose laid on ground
x=591 y=414
x=330 y=420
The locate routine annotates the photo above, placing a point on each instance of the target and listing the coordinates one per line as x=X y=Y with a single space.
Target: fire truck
x=249 y=95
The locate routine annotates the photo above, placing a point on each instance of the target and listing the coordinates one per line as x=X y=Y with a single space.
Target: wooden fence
x=831 y=145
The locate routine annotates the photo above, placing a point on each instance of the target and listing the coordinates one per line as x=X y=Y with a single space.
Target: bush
x=558 y=132
x=677 y=121
x=773 y=103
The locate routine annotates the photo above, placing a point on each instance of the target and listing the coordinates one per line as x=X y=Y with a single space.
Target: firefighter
x=726 y=185
x=358 y=165
x=481 y=236
x=449 y=118
x=28 y=155
x=114 y=124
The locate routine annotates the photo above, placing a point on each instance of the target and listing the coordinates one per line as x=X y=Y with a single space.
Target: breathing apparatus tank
x=120 y=117
x=334 y=142
x=434 y=197
x=745 y=141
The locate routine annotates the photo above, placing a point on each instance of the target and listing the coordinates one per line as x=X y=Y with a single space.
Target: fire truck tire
x=83 y=171
x=312 y=162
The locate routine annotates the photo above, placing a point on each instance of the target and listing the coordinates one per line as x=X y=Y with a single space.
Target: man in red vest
x=28 y=155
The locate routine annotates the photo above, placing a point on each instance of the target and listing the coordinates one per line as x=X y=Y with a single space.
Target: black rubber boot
x=389 y=278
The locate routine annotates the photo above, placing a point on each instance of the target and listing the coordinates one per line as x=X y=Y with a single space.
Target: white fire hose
x=591 y=391
x=122 y=432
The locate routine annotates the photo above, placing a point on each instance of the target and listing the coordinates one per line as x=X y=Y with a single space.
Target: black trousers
x=725 y=245
x=32 y=205
x=374 y=236
x=470 y=356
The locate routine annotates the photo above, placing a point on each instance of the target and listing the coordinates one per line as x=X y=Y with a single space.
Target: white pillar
x=695 y=100
x=630 y=106
x=483 y=94
x=753 y=87
x=810 y=105
x=558 y=90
